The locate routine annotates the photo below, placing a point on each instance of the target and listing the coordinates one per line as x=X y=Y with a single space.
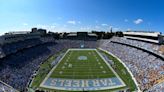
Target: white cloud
x=126 y=20
x=71 y=22
x=25 y=24
x=138 y=21
x=104 y=24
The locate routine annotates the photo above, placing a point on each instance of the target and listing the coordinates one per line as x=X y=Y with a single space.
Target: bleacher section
x=17 y=68
x=10 y=48
x=146 y=68
x=154 y=48
x=20 y=60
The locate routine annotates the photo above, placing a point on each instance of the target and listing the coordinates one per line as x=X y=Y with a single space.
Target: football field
x=82 y=69
x=82 y=64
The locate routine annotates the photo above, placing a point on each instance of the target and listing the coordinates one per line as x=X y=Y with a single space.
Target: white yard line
x=123 y=84
x=102 y=88
x=125 y=67
x=48 y=75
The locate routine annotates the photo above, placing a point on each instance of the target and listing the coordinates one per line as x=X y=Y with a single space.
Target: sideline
x=125 y=67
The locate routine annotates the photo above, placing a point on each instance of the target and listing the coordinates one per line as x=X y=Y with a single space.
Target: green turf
x=46 y=65
x=93 y=67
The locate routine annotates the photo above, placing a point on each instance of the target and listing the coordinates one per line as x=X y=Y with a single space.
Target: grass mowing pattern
x=41 y=75
x=91 y=68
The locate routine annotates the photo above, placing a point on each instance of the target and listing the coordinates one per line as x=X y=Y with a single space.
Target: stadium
x=41 y=61
x=81 y=46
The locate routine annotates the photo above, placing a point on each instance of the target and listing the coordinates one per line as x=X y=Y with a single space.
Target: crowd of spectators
x=22 y=59
x=152 y=47
x=145 y=67
x=157 y=87
x=9 y=48
x=78 y=43
x=16 y=69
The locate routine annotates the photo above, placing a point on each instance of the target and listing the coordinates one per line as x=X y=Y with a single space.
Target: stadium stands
x=10 y=48
x=17 y=68
x=19 y=61
x=145 y=67
x=154 y=48
x=157 y=88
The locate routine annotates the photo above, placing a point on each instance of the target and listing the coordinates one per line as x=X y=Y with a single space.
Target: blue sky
x=81 y=15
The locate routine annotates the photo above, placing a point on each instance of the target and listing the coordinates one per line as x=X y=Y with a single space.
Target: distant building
x=40 y=31
x=21 y=35
x=34 y=30
x=119 y=34
x=82 y=36
x=161 y=39
x=143 y=36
